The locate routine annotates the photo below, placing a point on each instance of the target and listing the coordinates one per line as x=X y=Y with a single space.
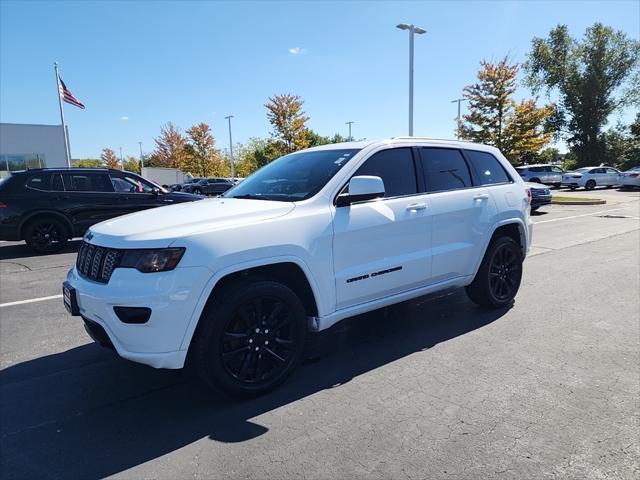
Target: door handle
x=481 y=196
x=414 y=207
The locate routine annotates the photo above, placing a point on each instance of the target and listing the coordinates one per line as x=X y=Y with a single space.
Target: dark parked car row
x=204 y=186
x=47 y=207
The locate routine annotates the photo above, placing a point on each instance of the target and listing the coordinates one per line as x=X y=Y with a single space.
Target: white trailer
x=165 y=176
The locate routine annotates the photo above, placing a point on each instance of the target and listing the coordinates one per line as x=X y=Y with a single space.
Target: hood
x=159 y=227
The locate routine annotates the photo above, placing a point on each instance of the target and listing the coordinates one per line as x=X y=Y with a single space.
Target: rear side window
x=536 y=169
x=87 y=182
x=445 y=169
x=489 y=169
x=395 y=167
x=40 y=181
x=56 y=183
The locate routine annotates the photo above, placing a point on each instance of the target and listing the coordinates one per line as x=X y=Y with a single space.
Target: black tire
x=557 y=185
x=236 y=351
x=590 y=185
x=609 y=186
x=533 y=209
x=498 y=279
x=46 y=235
x=572 y=187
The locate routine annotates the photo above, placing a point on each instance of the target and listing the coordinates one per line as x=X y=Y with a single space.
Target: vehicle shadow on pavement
x=86 y=414
x=20 y=250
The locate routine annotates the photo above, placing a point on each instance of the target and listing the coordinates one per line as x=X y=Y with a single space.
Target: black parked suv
x=47 y=207
x=208 y=186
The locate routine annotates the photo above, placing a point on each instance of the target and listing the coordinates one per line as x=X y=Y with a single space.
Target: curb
x=589 y=202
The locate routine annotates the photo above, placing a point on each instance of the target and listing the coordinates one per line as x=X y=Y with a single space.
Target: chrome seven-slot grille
x=97 y=263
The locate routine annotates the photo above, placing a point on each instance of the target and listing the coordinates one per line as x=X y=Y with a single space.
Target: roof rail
x=404 y=137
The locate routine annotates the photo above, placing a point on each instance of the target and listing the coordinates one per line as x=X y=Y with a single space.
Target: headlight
x=156 y=260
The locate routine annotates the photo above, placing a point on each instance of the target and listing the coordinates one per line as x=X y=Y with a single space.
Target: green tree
x=288 y=122
x=526 y=131
x=519 y=130
x=171 y=148
x=490 y=102
x=587 y=75
x=622 y=145
x=87 y=163
x=314 y=139
x=202 y=158
x=131 y=164
x=109 y=159
x=550 y=155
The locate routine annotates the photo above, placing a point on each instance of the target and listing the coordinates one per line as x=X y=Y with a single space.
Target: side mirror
x=155 y=191
x=361 y=188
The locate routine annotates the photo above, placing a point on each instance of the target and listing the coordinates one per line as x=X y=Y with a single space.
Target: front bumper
x=171 y=296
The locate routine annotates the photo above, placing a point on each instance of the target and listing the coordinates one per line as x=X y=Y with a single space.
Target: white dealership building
x=24 y=146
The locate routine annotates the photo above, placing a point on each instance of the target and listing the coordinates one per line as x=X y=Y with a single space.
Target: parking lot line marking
x=578 y=216
x=31 y=300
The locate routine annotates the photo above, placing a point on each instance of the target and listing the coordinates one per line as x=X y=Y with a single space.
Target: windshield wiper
x=251 y=196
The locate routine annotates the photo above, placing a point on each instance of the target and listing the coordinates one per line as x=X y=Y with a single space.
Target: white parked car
x=630 y=178
x=236 y=283
x=591 y=177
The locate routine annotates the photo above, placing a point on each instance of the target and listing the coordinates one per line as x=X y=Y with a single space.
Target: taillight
x=529 y=194
x=632 y=175
x=3 y=205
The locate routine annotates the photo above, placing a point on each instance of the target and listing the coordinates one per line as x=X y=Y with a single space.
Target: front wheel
x=197 y=191
x=46 y=235
x=590 y=185
x=498 y=278
x=252 y=338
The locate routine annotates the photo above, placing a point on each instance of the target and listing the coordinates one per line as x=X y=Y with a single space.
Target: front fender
x=238 y=267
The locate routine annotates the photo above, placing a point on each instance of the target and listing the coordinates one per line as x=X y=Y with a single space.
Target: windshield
x=583 y=169
x=294 y=177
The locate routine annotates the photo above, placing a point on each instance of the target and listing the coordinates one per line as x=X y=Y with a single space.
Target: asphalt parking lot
x=433 y=388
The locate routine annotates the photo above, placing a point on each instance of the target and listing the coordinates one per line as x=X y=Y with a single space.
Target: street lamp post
x=121 y=162
x=412 y=30
x=350 y=123
x=141 y=158
x=459 y=101
x=233 y=168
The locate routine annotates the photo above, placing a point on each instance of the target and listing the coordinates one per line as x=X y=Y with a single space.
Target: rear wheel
x=590 y=185
x=252 y=339
x=46 y=235
x=197 y=191
x=498 y=279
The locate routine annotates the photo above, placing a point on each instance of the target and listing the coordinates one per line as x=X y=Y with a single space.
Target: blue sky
x=137 y=65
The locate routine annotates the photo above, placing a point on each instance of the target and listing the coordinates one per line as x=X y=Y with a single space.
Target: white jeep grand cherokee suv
x=236 y=283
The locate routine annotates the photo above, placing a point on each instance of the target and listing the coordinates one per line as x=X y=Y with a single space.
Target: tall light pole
x=233 y=168
x=141 y=158
x=412 y=30
x=121 y=162
x=459 y=100
x=350 y=123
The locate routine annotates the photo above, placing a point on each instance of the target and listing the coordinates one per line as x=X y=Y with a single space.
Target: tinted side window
x=488 y=167
x=395 y=167
x=87 y=182
x=40 y=181
x=536 y=169
x=556 y=169
x=445 y=169
x=56 y=183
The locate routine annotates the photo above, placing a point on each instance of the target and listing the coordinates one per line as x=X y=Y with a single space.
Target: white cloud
x=124 y=119
x=297 y=50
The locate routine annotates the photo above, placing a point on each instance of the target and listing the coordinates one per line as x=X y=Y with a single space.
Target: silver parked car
x=542 y=173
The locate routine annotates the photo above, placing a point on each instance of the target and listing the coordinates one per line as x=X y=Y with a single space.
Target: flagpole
x=64 y=127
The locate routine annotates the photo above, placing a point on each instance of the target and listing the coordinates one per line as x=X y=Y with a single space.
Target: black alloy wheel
x=498 y=279
x=590 y=185
x=504 y=273
x=258 y=342
x=251 y=337
x=47 y=235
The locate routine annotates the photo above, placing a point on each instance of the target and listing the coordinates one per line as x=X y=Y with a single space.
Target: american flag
x=68 y=97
